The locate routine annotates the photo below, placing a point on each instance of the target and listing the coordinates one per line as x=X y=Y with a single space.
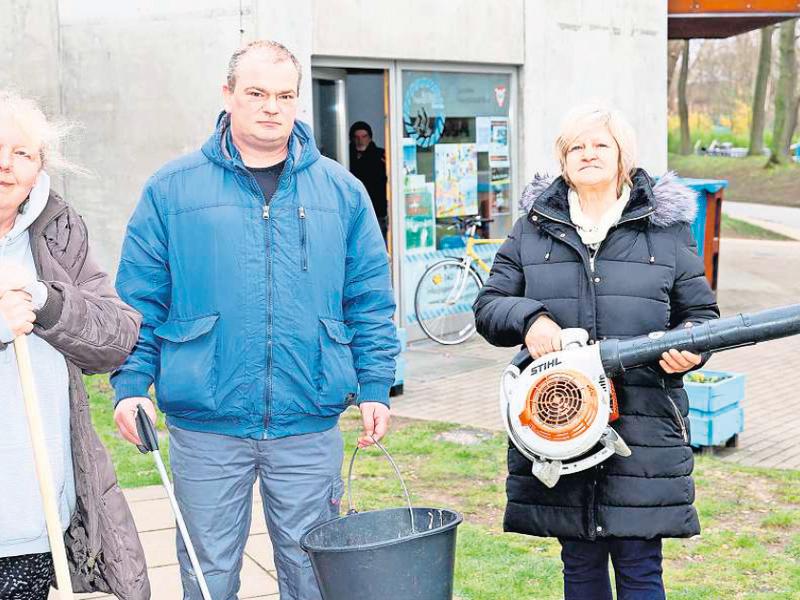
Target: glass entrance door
x=329 y=88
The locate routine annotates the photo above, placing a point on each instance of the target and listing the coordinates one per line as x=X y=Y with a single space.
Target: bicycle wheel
x=443 y=301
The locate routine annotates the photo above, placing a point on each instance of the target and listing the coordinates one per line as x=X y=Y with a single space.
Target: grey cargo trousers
x=300 y=484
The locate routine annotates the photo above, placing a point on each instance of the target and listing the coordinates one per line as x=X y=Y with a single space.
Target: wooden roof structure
x=689 y=19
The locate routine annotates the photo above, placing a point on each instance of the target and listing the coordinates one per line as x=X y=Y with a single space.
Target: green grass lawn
x=749 y=548
x=736 y=228
x=133 y=468
x=748 y=180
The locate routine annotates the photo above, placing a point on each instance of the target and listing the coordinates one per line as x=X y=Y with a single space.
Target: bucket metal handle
x=352 y=510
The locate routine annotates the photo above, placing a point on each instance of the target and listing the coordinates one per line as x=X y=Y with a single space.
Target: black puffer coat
x=646 y=277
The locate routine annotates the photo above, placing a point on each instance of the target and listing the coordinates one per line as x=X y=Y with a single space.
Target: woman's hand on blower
x=679 y=361
x=543 y=337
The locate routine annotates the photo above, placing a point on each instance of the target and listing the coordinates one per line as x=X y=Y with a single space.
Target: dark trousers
x=637 y=569
x=25 y=577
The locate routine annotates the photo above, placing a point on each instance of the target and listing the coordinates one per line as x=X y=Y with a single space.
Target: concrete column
x=289 y=23
x=145 y=80
x=29 y=50
x=577 y=51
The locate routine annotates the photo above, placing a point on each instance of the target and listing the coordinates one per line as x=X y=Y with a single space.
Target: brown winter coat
x=95 y=331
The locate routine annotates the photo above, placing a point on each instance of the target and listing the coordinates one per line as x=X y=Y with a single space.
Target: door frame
x=515 y=140
x=393 y=233
x=394 y=143
x=338 y=77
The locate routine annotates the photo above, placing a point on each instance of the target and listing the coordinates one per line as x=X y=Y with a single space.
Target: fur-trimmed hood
x=667 y=201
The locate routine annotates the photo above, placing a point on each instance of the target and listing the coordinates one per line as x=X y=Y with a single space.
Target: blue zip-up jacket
x=260 y=320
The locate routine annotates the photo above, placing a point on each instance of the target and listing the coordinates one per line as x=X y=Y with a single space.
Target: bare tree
x=718 y=85
x=760 y=93
x=792 y=122
x=674 y=48
x=683 y=105
x=784 y=93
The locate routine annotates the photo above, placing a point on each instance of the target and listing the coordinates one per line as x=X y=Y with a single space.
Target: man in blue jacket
x=263 y=281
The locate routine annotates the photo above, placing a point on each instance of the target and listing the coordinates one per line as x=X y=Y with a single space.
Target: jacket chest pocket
x=187 y=379
x=322 y=250
x=336 y=377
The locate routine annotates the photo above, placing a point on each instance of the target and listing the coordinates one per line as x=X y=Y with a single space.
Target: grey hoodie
x=22 y=524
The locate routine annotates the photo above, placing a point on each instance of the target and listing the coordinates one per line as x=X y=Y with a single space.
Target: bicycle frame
x=469 y=257
x=470 y=253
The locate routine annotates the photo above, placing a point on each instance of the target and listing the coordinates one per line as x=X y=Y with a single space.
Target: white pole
x=43 y=471
x=198 y=572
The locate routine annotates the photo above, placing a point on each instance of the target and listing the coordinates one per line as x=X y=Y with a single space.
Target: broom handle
x=43 y=471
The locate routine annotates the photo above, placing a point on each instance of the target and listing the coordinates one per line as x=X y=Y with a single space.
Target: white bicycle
x=447 y=289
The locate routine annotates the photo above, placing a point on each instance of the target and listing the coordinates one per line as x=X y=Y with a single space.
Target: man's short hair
x=279 y=52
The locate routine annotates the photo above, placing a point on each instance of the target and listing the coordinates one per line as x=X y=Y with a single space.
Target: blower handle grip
x=716 y=335
x=522 y=359
x=571 y=337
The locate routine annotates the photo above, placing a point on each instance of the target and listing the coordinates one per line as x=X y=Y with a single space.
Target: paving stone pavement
x=156 y=525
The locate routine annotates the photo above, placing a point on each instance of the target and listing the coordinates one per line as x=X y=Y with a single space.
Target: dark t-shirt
x=267 y=178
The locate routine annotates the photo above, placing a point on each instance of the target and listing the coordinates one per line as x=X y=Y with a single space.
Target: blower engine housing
x=557 y=408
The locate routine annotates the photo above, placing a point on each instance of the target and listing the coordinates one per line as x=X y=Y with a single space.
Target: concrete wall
x=29 y=49
x=144 y=77
x=614 y=51
x=480 y=31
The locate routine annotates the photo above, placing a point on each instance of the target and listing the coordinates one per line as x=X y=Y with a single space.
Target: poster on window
x=409 y=157
x=420 y=223
x=483 y=133
x=456 y=168
x=501 y=190
x=498 y=143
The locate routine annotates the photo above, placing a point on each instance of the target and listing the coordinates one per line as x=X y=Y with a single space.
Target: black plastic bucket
x=398 y=553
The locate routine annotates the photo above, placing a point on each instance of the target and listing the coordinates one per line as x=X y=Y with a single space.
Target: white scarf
x=593 y=232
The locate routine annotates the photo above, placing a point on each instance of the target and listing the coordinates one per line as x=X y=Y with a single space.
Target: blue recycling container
x=703 y=187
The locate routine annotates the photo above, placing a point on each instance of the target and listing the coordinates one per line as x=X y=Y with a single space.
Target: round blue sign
x=423 y=112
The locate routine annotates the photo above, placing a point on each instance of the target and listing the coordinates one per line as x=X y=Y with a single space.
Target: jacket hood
x=30 y=209
x=667 y=200
x=220 y=149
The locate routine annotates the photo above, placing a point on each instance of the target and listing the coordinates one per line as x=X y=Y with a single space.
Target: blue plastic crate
x=713 y=429
x=712 y=397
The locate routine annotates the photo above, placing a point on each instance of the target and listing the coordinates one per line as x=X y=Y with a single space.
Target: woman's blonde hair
x=48 y=135
x=586 y=116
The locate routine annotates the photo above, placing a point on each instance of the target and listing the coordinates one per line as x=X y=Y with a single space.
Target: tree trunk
x=760 y=94
x=791 y=86
x=784 y=92
x=674 y=48
x=792 y=124
x=683 y=105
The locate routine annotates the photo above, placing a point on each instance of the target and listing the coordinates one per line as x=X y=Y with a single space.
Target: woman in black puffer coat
x=604 y=248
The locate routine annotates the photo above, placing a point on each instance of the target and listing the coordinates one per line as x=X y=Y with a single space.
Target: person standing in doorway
x=263 y=281
x=368 y=163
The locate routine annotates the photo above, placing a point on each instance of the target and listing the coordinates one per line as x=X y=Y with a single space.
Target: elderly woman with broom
x=59 y=317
